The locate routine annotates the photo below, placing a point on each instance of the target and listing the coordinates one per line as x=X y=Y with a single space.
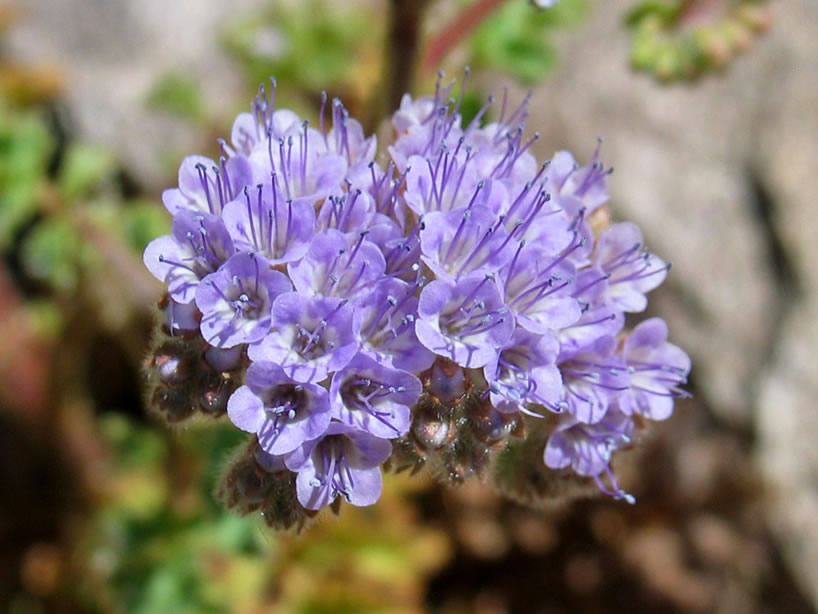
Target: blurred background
x=712 y=128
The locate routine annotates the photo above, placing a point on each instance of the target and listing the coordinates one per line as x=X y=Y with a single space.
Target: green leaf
x=83 y=170
x=516 y=38
x=25 y=147
x=177 y=94
x=310 y=44
x=50 y=252
x=142 y=221
x=666 y=12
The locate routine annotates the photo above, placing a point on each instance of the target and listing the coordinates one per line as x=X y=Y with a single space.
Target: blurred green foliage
x=25 y=149
x=672 y=47
x=179 y=95
x=313 y=45
x=63 y=215
x=517 y=38
x=159 y=543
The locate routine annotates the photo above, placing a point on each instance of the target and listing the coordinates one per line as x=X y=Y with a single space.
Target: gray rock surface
x=722 y=178
x=786 y=159
x=681 y=158
x=113 y=52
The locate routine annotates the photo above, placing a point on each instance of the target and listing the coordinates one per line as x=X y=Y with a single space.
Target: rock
x=680 y=155
x=112 y=54
x=721 y=177
x=787 y=424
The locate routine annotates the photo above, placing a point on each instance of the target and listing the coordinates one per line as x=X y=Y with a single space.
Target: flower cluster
x=351 y=290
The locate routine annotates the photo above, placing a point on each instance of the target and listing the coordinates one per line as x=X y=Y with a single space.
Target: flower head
x=432 y=305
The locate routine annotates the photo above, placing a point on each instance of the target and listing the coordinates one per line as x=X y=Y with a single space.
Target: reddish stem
x=455 y=31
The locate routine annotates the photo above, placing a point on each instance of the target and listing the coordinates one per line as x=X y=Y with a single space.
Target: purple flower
x=311 y=338
x=587 y=186
x=354 y=211
x=538 y=287
x=252 y=130
x=449 y=182
x=424 y=124
x=631 y=270
x=269 y=224
x=334 y=267
x=657 y=370
x=374 y=398
x=504 y=154
x=353 y=287
x=466 y=322
x=197 y=245
x=414 y=113
x=237 y=300
x=347 y=137
x=281 y=412
x=524 y=372
x=587 y=448
x=205 y=186
x=302 y=171
x=593 y=378
x=388 y=326
x=344 y=461
x=464 y=241
x=532 y=216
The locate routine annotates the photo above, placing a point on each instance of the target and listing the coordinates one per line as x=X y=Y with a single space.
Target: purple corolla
x=463 y=241
x=388 y=326
x=264 y=221
x=311 y=336
x=237 y=300
x=205 y=186
x=281 y=412
x=631 y=270
x=538 y=287
x=587 y=448
x=593 y=378
x=374 y=398
x=524 y=373
x=345 y=461
x=303 y=172
x=335 y=267
x=197 y=245
x=466 y=322
x=657 y=370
